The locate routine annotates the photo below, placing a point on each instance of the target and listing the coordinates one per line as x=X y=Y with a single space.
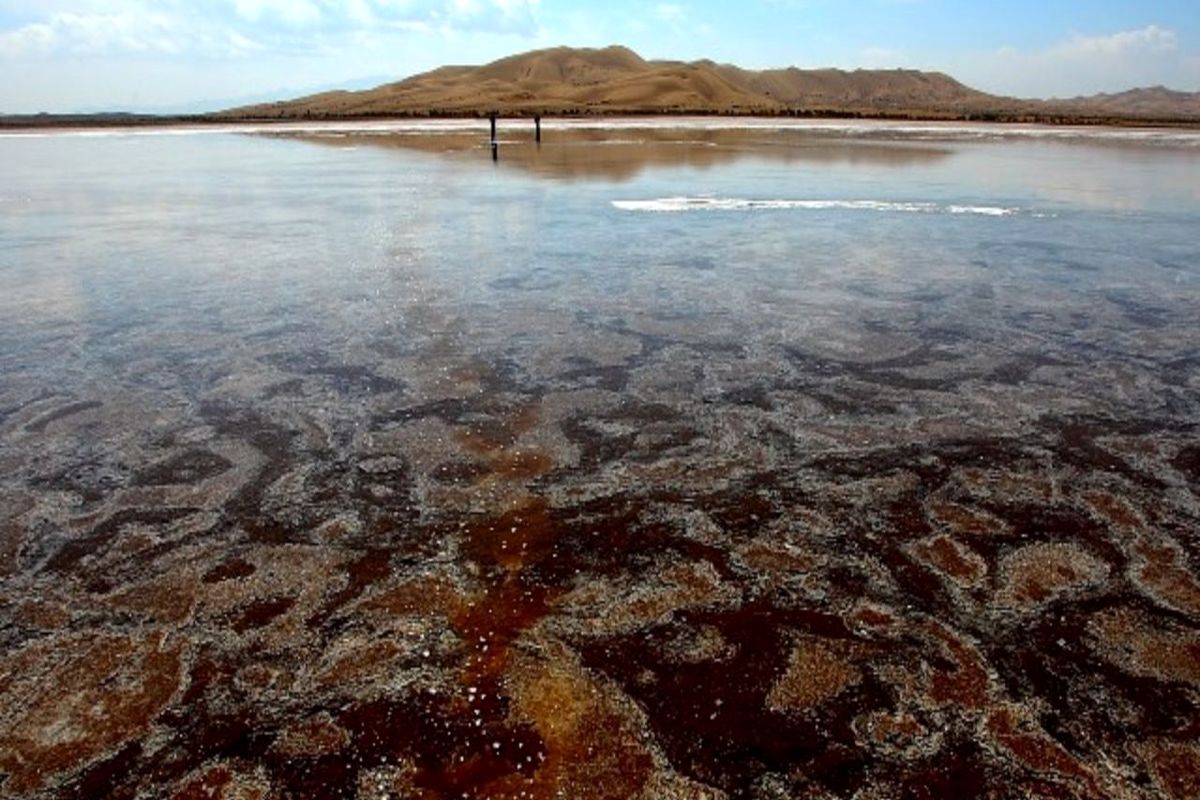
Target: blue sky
x=68 y=55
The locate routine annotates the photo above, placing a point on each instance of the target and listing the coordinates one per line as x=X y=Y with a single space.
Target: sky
x=171 y=55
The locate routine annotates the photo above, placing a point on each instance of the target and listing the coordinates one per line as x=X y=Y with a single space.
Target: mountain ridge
x=617 y=80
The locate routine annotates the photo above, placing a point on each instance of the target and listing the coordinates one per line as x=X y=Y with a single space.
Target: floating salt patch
x=987 y=211
x=679 y=204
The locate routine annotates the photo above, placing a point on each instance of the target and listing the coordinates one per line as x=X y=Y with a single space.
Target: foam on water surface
x=682 y=204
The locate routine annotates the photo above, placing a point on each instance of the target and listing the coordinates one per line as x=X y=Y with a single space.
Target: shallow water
x=698 y=459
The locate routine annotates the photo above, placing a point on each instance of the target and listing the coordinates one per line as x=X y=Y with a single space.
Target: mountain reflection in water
x=585 y=154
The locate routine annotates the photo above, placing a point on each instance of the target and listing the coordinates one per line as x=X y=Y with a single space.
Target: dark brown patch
x=1175 y=766
x=1034 y=749
x=186 y=468
x=959 y=563
x=228 y=570
x=963 y=681
x=261 y=613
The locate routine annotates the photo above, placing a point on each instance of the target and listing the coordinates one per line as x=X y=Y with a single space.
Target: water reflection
x=1082 y=168
x=572 y=154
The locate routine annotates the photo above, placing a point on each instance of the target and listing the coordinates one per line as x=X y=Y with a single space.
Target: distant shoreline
x=34 y=122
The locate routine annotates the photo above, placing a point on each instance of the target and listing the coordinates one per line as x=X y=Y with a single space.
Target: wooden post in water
x=537 y=128
x=495 y=141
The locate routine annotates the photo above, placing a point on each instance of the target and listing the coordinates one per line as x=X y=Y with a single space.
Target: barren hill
x=1155 y=101
x=616 y=80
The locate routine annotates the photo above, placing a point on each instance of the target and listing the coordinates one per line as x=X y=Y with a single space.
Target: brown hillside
x=1156 y=101
x=616 y=80
x=833 y=88
x=564 y=65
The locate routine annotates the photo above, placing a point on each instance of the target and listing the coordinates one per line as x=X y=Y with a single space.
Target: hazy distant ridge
x=617 y=80
x=1150 y=102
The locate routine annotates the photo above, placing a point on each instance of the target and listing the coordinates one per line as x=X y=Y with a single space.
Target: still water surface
x=692 y=459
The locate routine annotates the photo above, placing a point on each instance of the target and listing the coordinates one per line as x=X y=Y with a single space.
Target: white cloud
x=230 y=27
x=498 y=16
x=1082 y=64
x=675 y=23
x=35 y=38
x=90 y=34
x=670 y=13
x=1151 y=38
x=290 y=12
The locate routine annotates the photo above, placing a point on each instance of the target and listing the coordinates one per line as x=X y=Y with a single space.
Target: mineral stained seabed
x=610 y=557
